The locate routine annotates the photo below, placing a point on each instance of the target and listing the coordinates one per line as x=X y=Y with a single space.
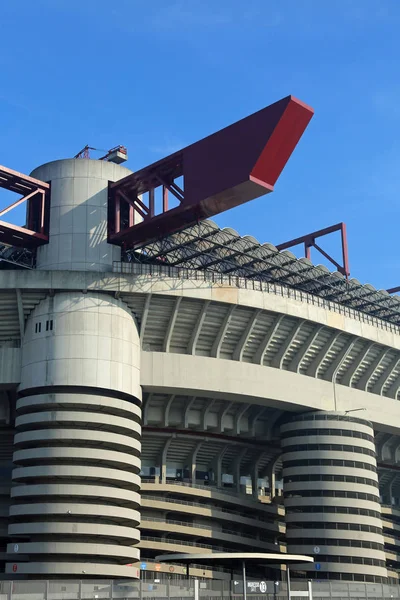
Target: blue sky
x=156 y=76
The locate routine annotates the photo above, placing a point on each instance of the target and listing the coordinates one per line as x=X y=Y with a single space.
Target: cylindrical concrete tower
x=78 y=215
x=331 y=496
x=74 y=503
x=77 y=446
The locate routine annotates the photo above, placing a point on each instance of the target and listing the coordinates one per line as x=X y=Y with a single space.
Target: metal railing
x=238 y=495
x=211 y=487
x=213 y=531
x=256 y=285
x=165 y=587
x=180 y=523
x=213 y=508
x=147 y=538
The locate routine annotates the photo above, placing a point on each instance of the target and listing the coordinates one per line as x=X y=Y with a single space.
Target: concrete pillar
x=78 y=215
x=387 y=489
x=237 y=469
x=216 y=465
x=163 y=461
x=193 y=470
x=272 y=480
x=254 y=478
x=74 y=504
x=193 y=463
x=331 y=495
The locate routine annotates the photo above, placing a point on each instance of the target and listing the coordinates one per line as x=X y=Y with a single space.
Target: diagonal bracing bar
x=309 y=242
x=37 y=195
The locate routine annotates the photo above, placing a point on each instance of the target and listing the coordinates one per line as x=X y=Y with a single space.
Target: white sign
x=317 y=549
x=255 y=586
x=263 y=587
x=16 y=548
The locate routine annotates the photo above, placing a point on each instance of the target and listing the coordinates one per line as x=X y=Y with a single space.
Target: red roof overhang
x=226 y=169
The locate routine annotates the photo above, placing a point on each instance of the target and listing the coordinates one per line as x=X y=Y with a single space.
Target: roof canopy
x=206 y=247
x=223 y=558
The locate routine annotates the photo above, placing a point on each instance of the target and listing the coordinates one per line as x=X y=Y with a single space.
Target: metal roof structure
x=15 y=258
x=206 y=247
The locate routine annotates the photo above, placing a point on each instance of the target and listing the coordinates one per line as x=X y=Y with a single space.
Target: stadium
x=168 y=386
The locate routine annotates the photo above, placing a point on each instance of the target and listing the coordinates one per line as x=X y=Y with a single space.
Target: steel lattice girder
x=37 y=194
x=226 y=169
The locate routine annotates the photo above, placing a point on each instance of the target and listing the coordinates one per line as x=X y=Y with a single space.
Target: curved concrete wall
x=93 y=343
x=78 y=215
x=77 y=445
x=331 y=495
x=175 y=524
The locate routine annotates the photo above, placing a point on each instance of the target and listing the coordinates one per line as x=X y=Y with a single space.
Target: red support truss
x=226 y=169
x=309 y=242
x=37 y=194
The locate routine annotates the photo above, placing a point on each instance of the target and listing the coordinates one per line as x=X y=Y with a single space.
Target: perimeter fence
x=192 y=589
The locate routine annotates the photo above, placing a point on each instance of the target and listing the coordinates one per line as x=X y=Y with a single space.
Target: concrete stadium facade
x=144 y=412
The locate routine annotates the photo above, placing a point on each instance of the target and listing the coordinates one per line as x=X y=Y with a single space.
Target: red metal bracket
x=37 y=195
x=309 y=242
x=226 y=169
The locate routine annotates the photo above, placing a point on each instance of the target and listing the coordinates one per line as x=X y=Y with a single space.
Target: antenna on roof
x=117 y=155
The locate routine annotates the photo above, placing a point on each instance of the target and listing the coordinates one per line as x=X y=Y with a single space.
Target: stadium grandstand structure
x=206 y=248
x=189 y=389
x=214 y=252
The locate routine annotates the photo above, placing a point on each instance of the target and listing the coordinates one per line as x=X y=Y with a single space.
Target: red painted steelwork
x=226 y=169
x=37 y=194
x=309 y=242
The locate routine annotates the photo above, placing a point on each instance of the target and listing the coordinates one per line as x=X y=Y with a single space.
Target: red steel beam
x=309 y=242
x=15 y=181
x=226 y=169
x=13 y=235
x=36 y=193
x=18 y=202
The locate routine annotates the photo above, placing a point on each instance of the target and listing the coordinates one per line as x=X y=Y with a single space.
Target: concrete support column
x=216 y=466
x=78 y=215
x=237 y=469
x=271 y=480
x=193 y=463
x=387 y=490
x=254 y=481
x=163 y=461
x=193 y=469
x=331 y=495
x=75 y=499
x=254 y=478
